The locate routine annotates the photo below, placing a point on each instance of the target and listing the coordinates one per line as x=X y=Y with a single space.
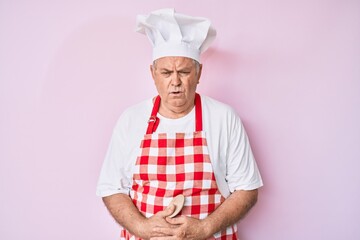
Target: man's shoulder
x=216 y=107
x=141 y=107
x=135 y=114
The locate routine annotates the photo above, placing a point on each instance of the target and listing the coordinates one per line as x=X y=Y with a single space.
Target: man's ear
x=152 y=70
x=199 y=73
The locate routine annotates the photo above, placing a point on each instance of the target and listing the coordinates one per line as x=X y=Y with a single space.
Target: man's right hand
x=147 y=226
x=127 y=215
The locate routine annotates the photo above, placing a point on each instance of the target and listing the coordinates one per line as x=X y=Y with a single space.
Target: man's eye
x=165 y=73
x=184 y=73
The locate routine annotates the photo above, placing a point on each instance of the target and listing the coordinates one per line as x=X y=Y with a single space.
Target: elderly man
x=192 y=148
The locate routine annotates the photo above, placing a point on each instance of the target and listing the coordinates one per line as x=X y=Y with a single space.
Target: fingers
x=168 y=211
x=161 y=231
x=163 y=238
x=156 y=225
x=164 y=231
x=176 y=220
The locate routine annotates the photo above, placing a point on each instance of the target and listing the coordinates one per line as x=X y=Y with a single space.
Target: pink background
x=290 y=68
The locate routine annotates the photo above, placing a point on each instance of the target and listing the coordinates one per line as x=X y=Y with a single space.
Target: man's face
x=176 y=79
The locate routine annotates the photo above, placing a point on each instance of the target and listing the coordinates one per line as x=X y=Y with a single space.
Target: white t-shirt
x=229 y=149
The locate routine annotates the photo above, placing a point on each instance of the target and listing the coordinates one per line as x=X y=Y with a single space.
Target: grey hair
x=197 y=65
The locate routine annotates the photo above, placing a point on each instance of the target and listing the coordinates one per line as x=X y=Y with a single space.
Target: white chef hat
x=174 y=34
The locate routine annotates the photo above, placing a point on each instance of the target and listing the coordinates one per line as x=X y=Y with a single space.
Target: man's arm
x=127 y=215
x=234 y=208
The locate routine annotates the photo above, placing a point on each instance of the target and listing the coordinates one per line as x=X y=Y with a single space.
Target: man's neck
x=175 y=112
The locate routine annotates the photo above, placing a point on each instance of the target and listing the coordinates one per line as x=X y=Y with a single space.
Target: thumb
x=168 y=210
x=176 y=220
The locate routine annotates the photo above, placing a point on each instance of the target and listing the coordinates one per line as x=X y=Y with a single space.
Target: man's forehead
x=166 y=62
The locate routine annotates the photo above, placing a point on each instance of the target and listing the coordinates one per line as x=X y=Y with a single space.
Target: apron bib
x=170 y=164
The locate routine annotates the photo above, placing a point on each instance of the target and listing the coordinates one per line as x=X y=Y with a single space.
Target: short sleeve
x=114 y=175
x=241 y=172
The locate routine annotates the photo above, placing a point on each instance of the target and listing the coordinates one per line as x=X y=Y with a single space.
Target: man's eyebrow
x=185 y=69
x=165 y=69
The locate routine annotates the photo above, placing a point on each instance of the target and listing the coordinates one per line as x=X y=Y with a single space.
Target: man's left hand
x=188 y=228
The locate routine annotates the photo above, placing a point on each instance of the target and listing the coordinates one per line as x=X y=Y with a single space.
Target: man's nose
x=176 y=80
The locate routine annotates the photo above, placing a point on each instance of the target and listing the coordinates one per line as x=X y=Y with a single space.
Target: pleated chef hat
x=174 y=34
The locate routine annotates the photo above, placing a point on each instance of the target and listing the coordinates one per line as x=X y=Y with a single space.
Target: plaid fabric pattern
x=173 y=164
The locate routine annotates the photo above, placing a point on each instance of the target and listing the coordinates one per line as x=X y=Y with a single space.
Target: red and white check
x=170 y=164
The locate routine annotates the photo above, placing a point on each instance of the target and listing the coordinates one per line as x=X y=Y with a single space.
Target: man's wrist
x=208 y=227
x=141 y=228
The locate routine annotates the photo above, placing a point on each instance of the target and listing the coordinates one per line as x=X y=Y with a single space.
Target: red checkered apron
x=172 y=164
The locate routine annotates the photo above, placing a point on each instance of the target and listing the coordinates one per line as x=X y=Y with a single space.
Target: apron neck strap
x=198 y=113
x=154 y=121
